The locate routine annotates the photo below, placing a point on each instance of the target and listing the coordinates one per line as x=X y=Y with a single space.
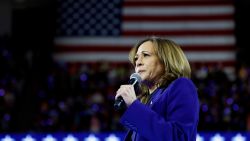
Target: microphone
x=134 y=80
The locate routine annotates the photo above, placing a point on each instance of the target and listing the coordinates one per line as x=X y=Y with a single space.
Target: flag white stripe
x=95 y=56
x=181 y=25
x=123 y=57
x=129 y=41
x=210 y=56
x=179 y=10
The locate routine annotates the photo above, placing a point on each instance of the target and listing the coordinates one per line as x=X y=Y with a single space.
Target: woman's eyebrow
x=146 y=52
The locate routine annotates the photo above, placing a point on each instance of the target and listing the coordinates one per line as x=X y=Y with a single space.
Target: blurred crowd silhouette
x=80 y=97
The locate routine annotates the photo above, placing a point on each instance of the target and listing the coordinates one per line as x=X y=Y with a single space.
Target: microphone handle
x=119 y=103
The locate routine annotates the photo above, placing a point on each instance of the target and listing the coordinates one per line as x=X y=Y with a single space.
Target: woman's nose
x=139 y=61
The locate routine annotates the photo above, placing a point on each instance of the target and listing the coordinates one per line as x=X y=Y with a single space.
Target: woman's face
x=147 y=64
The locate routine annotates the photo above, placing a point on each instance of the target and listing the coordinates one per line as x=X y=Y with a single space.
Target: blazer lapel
x=128 y=136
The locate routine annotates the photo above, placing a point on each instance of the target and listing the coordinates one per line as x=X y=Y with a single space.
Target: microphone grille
x=136 y=76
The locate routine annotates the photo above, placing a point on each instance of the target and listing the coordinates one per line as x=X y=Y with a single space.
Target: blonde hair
x=171 y=56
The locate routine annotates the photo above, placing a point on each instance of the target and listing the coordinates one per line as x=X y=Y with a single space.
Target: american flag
x=97 y=30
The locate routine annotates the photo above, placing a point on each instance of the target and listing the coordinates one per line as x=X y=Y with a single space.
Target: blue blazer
x=171 y=115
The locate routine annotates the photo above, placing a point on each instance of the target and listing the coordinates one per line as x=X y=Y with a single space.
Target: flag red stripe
x=176 y=32
x=193 y=64
x=177 y=3
x=141 y=18
x=204 y=48
x=107 y=48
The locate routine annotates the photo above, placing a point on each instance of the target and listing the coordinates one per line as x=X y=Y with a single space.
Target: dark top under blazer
x=171 y=115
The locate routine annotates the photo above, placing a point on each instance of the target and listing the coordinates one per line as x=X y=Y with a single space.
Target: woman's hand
x=127 y=92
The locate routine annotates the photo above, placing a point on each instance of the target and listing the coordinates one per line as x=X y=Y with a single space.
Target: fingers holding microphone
x=127 y=92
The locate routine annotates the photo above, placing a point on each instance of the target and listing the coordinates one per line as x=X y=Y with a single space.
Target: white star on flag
x=217 y=137
x=28 y=138
x=199 y=138
x=239 y=137
x=49 y=138
x=112 y=137
x=70 y=138
x=91 y=137
x=7 y=138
